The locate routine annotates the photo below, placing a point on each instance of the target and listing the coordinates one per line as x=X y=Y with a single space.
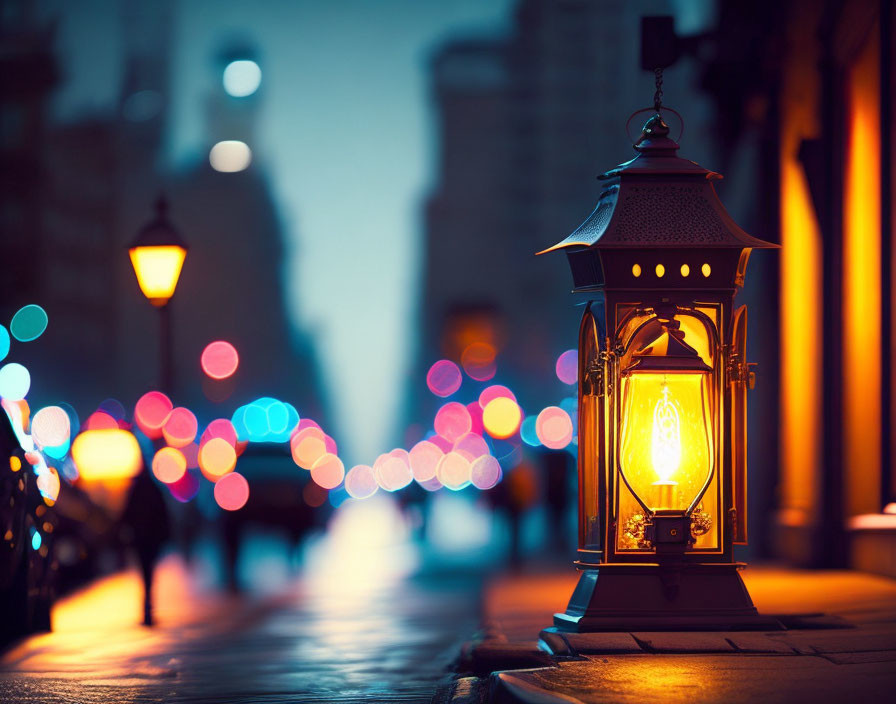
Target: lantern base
x=638 y=597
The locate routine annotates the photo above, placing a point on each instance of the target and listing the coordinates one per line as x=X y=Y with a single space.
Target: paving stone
x=858 y=658
x=602 y=643
x=758 y=643
x=685 y=642
x=853 y=642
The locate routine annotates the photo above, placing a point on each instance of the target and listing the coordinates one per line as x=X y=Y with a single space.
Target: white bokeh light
x=242 y=78
x=230 y=156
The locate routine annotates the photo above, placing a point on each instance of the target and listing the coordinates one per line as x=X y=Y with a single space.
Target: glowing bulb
x=666 y=438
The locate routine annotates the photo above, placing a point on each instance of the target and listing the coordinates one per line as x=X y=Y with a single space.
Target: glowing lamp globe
x=662 y=378
x=157 y=256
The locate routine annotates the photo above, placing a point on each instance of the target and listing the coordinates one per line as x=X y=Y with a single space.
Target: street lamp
x=157 y=256
x=662 y=400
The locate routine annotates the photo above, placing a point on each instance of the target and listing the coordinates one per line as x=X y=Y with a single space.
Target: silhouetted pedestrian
x=148 y=524
x=558 y=468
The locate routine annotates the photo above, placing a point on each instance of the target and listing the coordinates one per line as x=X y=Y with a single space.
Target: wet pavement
x=357 y=625
x=840 y=645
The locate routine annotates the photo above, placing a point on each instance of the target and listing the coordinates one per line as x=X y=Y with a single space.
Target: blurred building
x=809 y=97
x=524 y=125
x=76 y=194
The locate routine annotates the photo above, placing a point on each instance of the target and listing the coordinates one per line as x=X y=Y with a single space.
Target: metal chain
x=658 y=96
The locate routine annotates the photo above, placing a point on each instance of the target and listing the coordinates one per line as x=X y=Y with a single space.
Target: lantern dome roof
x=659 y=199
x=159 y=232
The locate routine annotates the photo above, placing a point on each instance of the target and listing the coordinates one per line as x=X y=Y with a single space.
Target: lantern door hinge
x=739 y=371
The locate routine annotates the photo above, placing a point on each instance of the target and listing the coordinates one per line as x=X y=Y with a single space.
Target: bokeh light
x=431 y=484
x=502 y=417
x=232 y=491
x=471 y=446
x=360 y=482
x=392 y=472
x=50 y=427
x=444 y=378
x=73 y=420
x=485 y=472
x=241 y=78
x=308 y=447
x=217 y=457
x=113 y=407
x=151 y=412
x=454 y=471
x=28 y=323
x=15 y=381
x=48 y=485
x=567 y=367
x=180 y=427
x=265 y=420
x=4 y=342
x=219 y=428
x=528 y=432
x=452 y=421
x=98 y=420
x=191 y=454
x=185 y=488
x=424 y=459
x=490 y=393
x=328 y=471
x=476 y=416
x=230 y=156
x=554 y=428
x=106 y=454
x=443 y=444
x=478 y=361
x=307 y=423
x=169 y=465
x=219 y=359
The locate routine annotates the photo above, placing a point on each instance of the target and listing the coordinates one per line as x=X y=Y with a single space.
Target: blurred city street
x=380 y=628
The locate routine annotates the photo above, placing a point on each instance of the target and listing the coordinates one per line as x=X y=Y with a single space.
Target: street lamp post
x=157 y=255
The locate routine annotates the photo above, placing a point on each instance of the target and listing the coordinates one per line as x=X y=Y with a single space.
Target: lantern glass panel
x=668 y=448
x=665 y=449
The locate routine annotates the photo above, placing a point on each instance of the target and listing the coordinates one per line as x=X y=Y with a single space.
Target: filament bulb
x=666 y=437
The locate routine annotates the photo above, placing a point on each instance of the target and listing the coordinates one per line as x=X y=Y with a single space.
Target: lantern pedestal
x=685 y=597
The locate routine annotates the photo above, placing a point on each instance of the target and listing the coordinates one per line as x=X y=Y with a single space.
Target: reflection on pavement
x=359 y=624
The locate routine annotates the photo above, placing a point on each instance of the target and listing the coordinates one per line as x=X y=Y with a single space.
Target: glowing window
x=685 y=270
x=660 y=270
x=230 y=156
x=241 y=78
x=636 y=270
x=706 y=269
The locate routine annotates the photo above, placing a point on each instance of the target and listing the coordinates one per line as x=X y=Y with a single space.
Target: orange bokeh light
x=217 y=457
x=169 y=465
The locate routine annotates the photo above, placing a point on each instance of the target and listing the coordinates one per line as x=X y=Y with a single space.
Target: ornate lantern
x=662 y=400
